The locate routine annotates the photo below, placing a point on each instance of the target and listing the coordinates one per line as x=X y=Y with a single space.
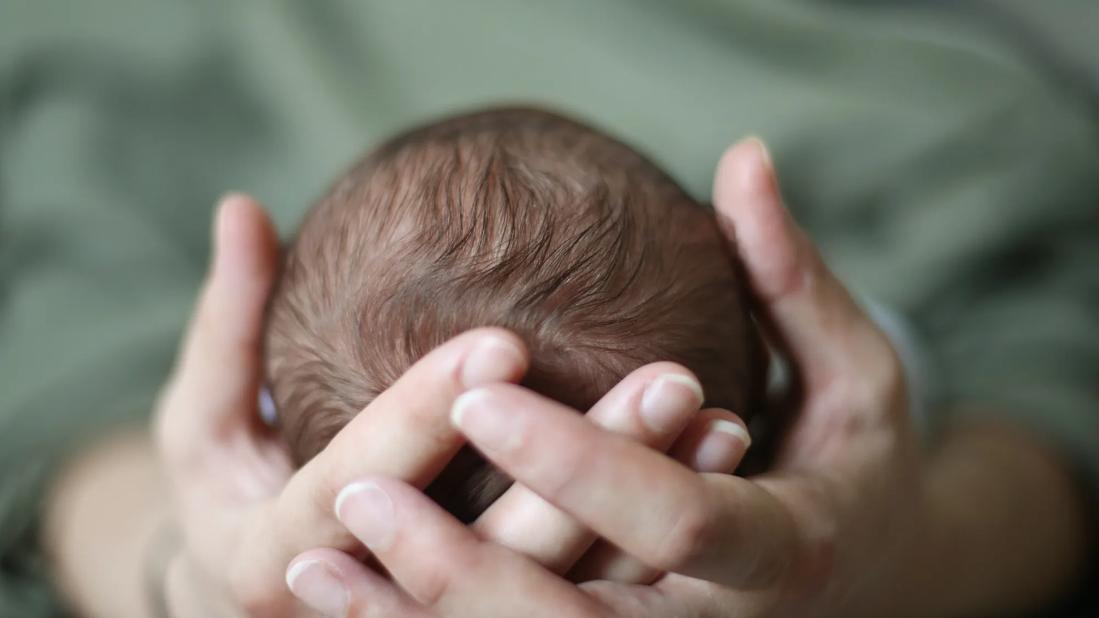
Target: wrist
x=105 y=507
x=1003 y=525
x=163 y=548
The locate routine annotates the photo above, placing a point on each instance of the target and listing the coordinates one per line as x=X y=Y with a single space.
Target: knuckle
x=610 y=601
x=303 y=499
x=887 y=368
x=447 y=584
x=856 y=396
x=880 y=391
x=565 y=476
x=251 y=594
x=876 y=390
x=435 y=587
x=692 y=530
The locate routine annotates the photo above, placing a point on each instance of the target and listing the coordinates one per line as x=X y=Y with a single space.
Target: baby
x=517 y=218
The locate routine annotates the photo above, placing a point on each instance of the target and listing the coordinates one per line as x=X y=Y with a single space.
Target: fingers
x=825 y=330
x=651 y=406
x=333 y=583
x=442 y=564
x=409 y=437
x=214 y=385
x=641 y=600
x=715 y=527
x=407 y=426
x=714 y=441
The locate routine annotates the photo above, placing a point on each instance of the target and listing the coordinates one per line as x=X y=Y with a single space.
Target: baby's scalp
x=512 y=217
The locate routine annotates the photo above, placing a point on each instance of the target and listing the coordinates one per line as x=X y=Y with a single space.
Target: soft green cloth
x=945 y=156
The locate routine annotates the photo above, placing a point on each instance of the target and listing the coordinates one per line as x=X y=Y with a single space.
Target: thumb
x=827 y=333
x=218 y=372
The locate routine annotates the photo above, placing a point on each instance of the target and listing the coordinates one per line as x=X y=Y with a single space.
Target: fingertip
x=668 y=402
x=754 y=220
x=496 y=355
x=223 y=343
x=463 y=402
x=368 y=512
x=236 y=200
x=715 y=442
x=502 y=336
x=735 y=429
x=245 y=242
x=318 y=584
x=760 y=148
x=722 y=448
x=745 y=168
x=335 y=583
x=230 y=209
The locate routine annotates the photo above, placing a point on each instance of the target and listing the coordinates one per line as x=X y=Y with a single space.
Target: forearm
x=105 y=510
x=1008 y=525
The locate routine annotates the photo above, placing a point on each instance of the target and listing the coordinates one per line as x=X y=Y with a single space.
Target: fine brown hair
x=518 y=218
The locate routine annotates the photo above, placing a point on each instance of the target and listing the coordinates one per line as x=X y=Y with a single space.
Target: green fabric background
x=945 y=156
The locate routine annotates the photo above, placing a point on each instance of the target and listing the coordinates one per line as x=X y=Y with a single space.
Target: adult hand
x=827 y=532
x=243 y=510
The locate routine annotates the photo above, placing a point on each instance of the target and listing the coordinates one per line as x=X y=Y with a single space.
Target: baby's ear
x=265 y=405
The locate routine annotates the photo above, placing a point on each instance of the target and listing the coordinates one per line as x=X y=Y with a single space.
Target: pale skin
x=853 y=520
x=242 y=509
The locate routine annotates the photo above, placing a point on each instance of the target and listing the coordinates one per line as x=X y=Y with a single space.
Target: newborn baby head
x=516 y=218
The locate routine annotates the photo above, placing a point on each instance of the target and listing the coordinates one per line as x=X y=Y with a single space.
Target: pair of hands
x=826 y=531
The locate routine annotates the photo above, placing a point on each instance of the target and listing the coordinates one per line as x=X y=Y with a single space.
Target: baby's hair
x=518 y=218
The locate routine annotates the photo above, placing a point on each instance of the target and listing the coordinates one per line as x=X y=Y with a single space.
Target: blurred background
x=944 y=154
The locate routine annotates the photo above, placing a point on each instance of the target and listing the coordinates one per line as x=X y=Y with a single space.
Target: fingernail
x=722 y=447
x=759 y=176
x=318 y=586
x=494 y=359
x=732 y=429
x=761 y=149
x=482 y=418
x=668 y=401
x=367 y=511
